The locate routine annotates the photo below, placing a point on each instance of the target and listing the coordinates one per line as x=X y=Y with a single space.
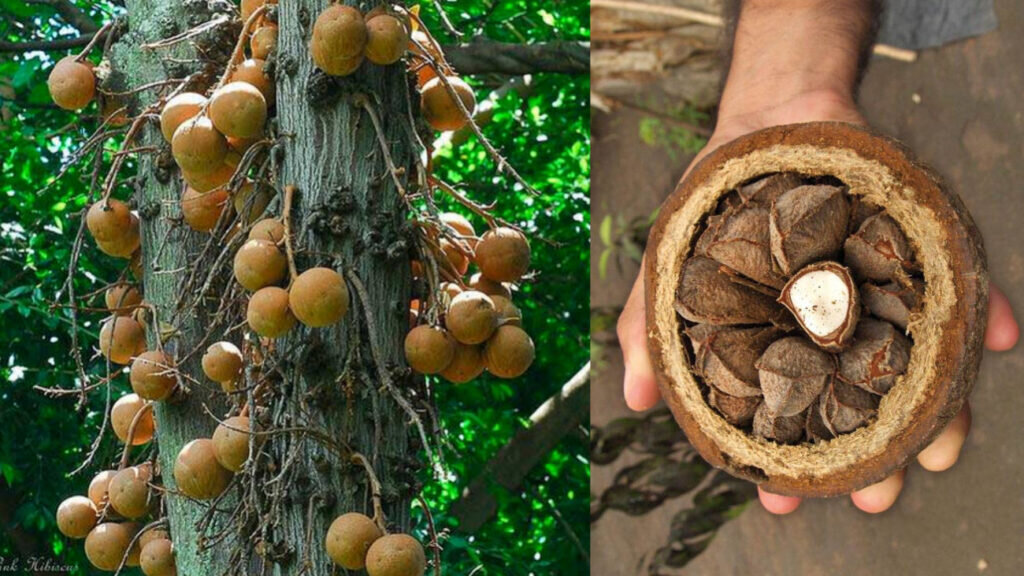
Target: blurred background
x=657 y=508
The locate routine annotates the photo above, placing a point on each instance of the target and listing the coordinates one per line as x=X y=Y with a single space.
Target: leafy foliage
x=541 y=126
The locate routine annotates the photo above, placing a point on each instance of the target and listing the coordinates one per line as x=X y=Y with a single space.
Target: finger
x=777 y=504
x=943 y=452
x=1002 y=332
x=639 y=386
x=879 y=497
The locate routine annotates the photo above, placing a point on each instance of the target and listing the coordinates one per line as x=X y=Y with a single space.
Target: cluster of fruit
x=479 y=326
x=355 y=542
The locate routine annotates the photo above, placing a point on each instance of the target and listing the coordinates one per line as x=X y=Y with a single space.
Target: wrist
x=736 y=118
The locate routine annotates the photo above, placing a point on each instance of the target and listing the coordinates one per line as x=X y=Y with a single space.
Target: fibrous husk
x=765 y=190
x=708 y=295
x=891 y=302
x=808 y=223
x=782 y=429
x=879 y=251
x=878 y=355
x=826 y=303
x=741 y=242
x=844 y=408
x=725 y=356
x=792 y=372
x=737 y=410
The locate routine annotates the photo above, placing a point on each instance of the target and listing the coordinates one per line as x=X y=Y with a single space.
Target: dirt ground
x=961 y=109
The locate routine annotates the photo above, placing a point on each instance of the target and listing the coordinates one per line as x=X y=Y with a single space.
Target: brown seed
x=892 y=302
x=429 y=349
x=439 y=108
x=879 y=251
x=815 y=427
x=198 y=147
x=202 y=211
x=182 y=107
x=509 y=352
x=230 y=444
x=396 y=555
x=765 y=190
x=238 y=110
x=99 y=486
x=706 y=294
x=879 y=354
x=129 y=491
x=157 y=558
x=263 y=41
x=152 y=375
x=121 y=338
x=472 y=317
x=349 y=538
x=339 y=37
x=825 y=302
x=267 y=229
x=386 y=39
x=76 y=517
x=72 y=83
x=122 y=415
x=197 y=473
x=268 y=313
x=808 y=224
x=466 y=364
x=741 y=242
x=253 y=71
x=844 y=408
x=106 y=544
x=782 y=429
x=725 y=356
x=503 y=255
x=122 y=299
x=792 y=372
x=258 y=264
x=223 y=362
x=108 y=221
x=737 y=410
x=319 y=297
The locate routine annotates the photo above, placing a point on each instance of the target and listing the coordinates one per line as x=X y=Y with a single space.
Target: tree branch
x=46 y=45
x=517 y=59
x=555 y=418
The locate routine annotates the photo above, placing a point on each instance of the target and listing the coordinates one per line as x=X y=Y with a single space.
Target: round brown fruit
x=349 y=539
x=429 y=349
x=202 y=210
x=230 y=446
x=109 y=222
x=184 y=106
x=122 y=299
x=76 y=517
x=208 y=181
x=263 y=41
x=250 y=6
x=503 y=254
x=121 y=337
x=462 y=225
x=459 y=261
x=129 y=491
x=268 y=313
x=259 y=263
x=152 y=375
x=223 y=362
x=267 y=229
x=251 y=201
x=319 y=297
x=386 y=39
x=440 y=109
x=466 y=364
x=396 y=555
x=150 y=535
x=238 y=110
x=198 y=147
x=136 y=550
x=339 y=37
x=197 y=473
x=509 y=352
x=472 y=317
x=508 y=313
x=484 y=284
x=451 y=289
x=157 y=558
x=106 y=544
x=72 y=83
x=252 y=71
x=125 y=245
x=122 y=415
x=99 y=487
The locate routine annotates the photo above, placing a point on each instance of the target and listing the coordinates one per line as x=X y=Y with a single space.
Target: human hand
x=639 y=386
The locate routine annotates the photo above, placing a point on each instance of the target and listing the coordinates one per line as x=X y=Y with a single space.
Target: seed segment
x=825 y=302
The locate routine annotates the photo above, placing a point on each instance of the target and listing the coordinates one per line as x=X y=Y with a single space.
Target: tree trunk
x=347 y=214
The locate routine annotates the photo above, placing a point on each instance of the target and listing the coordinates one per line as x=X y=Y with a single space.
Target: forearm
x=806 y=52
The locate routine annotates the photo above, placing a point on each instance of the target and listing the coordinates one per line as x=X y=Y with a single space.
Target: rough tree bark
x=347 y=214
